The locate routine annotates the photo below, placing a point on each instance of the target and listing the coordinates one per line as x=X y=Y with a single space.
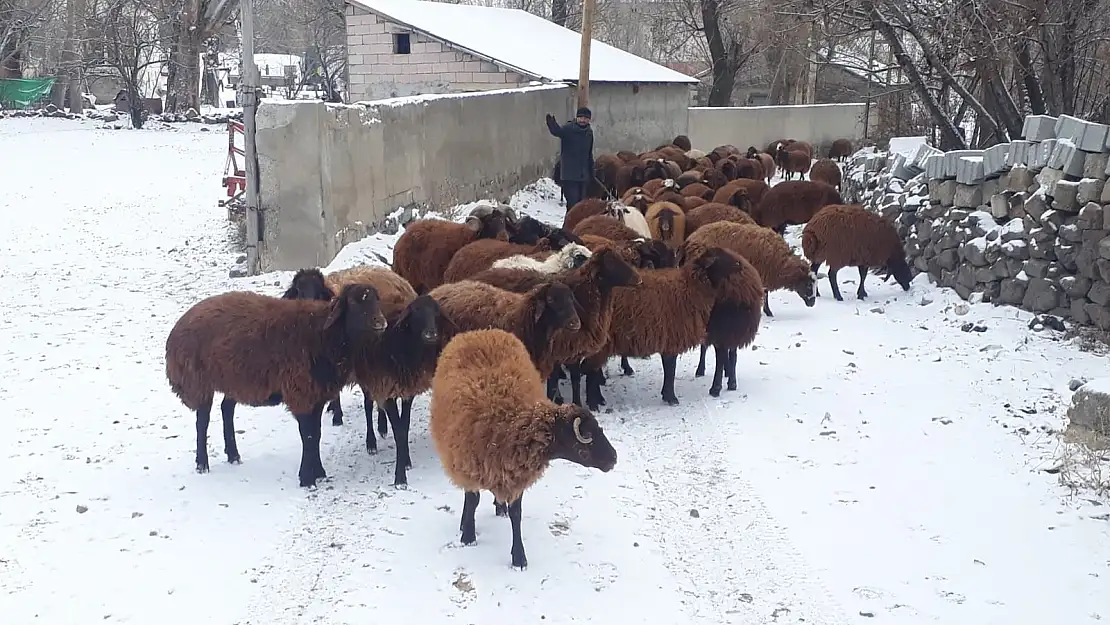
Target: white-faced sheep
x=263 y=351
x=495 y=430
x=852 y=236
x=571 y=256
x=480 y=255
x=629 y=216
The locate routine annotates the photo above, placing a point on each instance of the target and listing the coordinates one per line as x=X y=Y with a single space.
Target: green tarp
x=18 y=93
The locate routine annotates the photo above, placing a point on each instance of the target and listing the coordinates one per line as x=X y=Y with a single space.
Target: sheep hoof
x=731 y=385
x=373 y=451
x=468 y=538
x=671 y=401
x=714 y=391
x=234 y=459
x=401 y=485
x=308 y=482
x=202 y=468
x=520 y=561
x=501 y=509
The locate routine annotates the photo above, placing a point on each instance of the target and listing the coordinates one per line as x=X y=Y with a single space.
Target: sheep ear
x=474 y=223
x=541 y=304
x=337 y=312
x=290 y=293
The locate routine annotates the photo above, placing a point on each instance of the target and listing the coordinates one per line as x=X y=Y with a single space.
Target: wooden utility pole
x=248 y=87
x=584 y=55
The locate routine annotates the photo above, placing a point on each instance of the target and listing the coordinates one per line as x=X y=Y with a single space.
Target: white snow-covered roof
x=520 y=41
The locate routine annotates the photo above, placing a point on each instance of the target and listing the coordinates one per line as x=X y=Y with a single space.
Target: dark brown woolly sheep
x=826 y=171
x=425 y=248
x=606 y=167
x=657 y=168
x=667 y=222
x=631 y=174
x=728 y=169
x=480 y=255
x=733 y=322
x=631 y=192
x=792 y=203
x=263 y=351
x=713 y=178
x=793 y=162
x=639 y=253
x=852 y=236
x=607 y=227
x=768 y=163
x=655 y=186
x=697 y=189
x=730 y=194
x=627 y=156
x=689 y=177
x=667 y=314
x=532 y=316
x=683 y=143
x=667 y=195
x=586 y=208
x=778 y=266
x=495 y=430
x=802 y=146
x=749 y=168
x=840 y=149
x=712 y=213
x=690 y=203
x=639 y=201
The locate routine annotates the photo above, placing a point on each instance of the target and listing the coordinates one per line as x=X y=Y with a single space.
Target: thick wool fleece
x=776 y=263
x=852 y=236
x=426 y=247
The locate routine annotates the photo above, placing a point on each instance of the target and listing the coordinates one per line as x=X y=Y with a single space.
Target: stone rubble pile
x=1025 y=223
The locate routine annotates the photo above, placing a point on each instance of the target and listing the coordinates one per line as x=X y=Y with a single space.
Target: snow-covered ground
x=877 y=460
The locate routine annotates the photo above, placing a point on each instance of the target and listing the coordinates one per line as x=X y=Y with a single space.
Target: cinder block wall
x=375 y=72
x=637 y=116
x=1025 y=223
x=330 y=174
x=819 y=124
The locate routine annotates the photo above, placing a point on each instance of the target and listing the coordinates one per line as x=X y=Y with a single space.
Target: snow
x=521 y=41
x=876 y=459
x=1098 y=385
x=906 y=146
x=428 y=97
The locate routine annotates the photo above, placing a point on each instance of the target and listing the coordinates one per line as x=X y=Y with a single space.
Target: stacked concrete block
x=1019 y=153
x=934 y=166
x=1096 y=165
x=952 y=159
x=1039 y=128
x=994 y=160
x=969 y=170
x=1042 y=152
x=1087 y=136
x=924 y=152
x=1067 y=158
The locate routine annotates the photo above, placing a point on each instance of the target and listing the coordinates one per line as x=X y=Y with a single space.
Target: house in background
x=410 y=47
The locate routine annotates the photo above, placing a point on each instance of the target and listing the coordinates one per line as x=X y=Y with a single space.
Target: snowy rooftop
x=520 y=40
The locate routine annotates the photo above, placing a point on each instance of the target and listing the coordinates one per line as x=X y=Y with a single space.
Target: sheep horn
x=578 y=432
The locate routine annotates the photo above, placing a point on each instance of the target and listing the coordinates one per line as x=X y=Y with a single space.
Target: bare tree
x=131 y=45
x=194 y=22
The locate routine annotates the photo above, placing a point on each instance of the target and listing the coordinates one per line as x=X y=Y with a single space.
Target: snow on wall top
x=520 y=41
x=906 y=146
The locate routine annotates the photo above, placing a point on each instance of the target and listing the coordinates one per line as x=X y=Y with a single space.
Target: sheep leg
x=834 y=285
x=720 y=360
x=730 y=371
x=594 y=400
x=520 y=560
x=312 y=468
x=813 y=267
x=203 y=416
x=336 y=410
x=767 y=303
x=701 y=361
x=862 y=292
x=626 y=367
x=470 y=506
x=401 y=440
x=406 y=418
x=500 y=509
x=574 y=372
x=368 y=410
x=227 y=409
x=670 y=362
x=383 y=422
x=553 y=389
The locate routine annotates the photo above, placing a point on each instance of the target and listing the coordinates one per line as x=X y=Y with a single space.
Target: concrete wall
x=637 y=117
x=330 y=174
x=819 y=124
x=375 y=72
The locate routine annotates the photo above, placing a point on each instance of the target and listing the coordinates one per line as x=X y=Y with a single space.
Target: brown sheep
x=532 y=316
x=728 y=169
x=494 y=429
x=479 y=255
x=631 y=192
x=826 y=171
x=639 y=253
x=669 y=196
x=586 y=208
x=840 y=149
x=793 y=203
x=689 y=177
x=697 y=190
x=852 y=236
x=667 y=222
x=683 y=143
x=793 y=162
x=424 y=250
x=766 y=161
x=593 y=285
x=749 y=168
x=733 y=322
x=263 y=351
x=639 y=201
x=667 y=314
x=730 y=194
x=713 y=178
x=631 y=174
x=607 y=227
x=605 y=170
x=778 y=266
x=712 y=213
x=802 y=146
x=627 y=156
x=657 y=185
x=691 y=203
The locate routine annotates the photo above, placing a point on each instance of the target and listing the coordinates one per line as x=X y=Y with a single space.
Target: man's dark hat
x=584 y=112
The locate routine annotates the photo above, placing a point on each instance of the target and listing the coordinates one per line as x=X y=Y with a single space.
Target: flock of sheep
x=493 y=313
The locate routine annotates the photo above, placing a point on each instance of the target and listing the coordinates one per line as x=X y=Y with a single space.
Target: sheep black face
x=528 y=231
x=752 y=152
x=807 y=289
x=717 y=264
x=612 y=270
x=560 y=238
x=559 y=305
x=359 y=308
x=422 y=319
x=486 y=225
x=577 y=437
x=308 y=284
x=655 y=254
x=901 y=272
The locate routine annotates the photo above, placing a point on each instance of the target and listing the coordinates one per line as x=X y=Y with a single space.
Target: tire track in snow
x=734 y=561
